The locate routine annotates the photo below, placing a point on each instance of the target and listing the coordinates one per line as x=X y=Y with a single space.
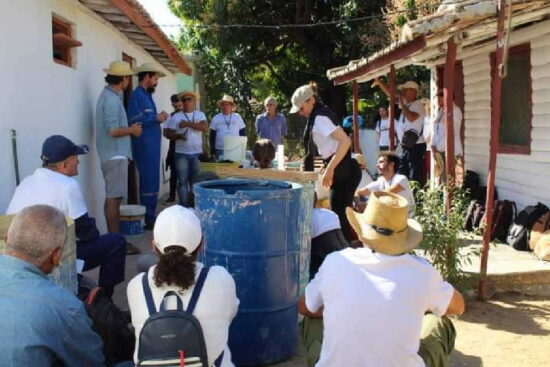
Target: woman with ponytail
x=177 y=240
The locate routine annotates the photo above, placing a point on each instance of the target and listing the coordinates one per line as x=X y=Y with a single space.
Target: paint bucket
x=131 y=220
x=234 y=148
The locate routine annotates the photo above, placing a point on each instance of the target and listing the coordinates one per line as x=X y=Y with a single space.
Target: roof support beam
x=399 y=53
x=356 y=147
x=391 y=116
x=154 y=32
x=448 y=89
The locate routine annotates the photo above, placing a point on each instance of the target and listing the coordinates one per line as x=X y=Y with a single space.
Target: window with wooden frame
x=63 y=41
x=516 y=103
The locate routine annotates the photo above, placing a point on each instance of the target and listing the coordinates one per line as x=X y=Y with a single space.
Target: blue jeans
x=188 y=167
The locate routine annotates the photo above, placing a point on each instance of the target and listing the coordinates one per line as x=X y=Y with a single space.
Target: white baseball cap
x=300 y=96
x=177 y=226
x=409 y=85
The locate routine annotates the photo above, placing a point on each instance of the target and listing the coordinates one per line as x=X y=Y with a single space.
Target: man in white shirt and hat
x=381 y=305
x=225 y=123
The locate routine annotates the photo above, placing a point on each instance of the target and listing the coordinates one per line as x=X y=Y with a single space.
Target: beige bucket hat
x=227 y=98
x=119 y=68
x=149 y=67
x=384 y=225
x=189 y=93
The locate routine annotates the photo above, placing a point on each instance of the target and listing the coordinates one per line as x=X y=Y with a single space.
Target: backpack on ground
x=111 y=325
x=471 y=181
x=170 y=338
x=542 y=248
x=518 y=234
x=503 y=214
x=541 y=225
x=473 y=208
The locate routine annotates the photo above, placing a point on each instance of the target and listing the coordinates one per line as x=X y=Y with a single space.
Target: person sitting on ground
x=53 y=184
x=376 y=298
x=178 y=239
x=42 y=324
x=389 y=180
x=263 y=153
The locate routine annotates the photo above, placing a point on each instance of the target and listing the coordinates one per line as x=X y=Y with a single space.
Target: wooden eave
x=131 y=19
x=423 y=42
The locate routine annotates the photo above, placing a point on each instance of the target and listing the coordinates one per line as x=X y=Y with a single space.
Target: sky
x=161 y=14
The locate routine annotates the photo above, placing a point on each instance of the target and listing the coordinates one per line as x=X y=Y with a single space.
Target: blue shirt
x=42 y=323
x=110 y=115
x=274 y=130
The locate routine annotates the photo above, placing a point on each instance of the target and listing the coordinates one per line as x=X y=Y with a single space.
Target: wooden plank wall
x=522 y=178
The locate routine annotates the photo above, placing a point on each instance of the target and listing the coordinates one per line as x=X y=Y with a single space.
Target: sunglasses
x=187 y=99
x=385 y=231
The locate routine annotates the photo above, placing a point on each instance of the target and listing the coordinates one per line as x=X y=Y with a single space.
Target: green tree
x=255 y=62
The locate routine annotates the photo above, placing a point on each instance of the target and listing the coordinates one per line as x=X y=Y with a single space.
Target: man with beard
x=146 y=148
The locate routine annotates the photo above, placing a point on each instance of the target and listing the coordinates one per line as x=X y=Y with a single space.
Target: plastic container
x=254 y=229
x=234 y=148
x=132 y=220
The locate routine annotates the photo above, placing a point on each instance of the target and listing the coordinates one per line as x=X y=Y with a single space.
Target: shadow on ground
x=459 y=359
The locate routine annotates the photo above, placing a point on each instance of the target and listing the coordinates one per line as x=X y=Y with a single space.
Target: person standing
x=113 y=139
x=146 y=148
x=411 y=124
x=341 y=172
x=225 y=123
x=271 y=124
x=42 y=324
x=171 y=155
x=439 y=137
x=383 y=129
x=186 y=128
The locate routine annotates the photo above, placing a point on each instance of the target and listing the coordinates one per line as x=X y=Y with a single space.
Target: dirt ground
x=509 y=330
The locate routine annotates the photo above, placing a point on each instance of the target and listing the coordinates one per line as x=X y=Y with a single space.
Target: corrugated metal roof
x=131 y=19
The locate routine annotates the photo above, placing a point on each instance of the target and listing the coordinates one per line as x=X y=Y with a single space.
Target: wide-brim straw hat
x=384 y=225
x=119 y=68
x=149 y=67
x=409 y=85
x=227 y=98
x=189 y=93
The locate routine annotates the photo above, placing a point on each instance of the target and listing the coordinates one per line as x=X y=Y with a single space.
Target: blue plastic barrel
x=253 y=229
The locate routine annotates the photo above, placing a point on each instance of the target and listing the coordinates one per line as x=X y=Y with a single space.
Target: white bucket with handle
x=234 y=148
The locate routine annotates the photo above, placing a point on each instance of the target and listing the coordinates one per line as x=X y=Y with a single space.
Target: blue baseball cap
x=57 y=148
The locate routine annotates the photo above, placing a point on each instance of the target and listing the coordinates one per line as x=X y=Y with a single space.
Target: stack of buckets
x=132 y=220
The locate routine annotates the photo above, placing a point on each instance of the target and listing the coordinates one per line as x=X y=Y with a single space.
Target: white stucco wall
x=42 y=98
x=522 y=178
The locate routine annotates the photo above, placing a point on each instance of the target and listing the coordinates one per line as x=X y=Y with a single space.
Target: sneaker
x=132 y=249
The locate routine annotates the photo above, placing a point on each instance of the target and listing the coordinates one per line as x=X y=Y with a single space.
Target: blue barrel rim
x=285 y=188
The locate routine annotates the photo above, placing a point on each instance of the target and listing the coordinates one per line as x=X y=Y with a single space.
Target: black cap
x=57 y=148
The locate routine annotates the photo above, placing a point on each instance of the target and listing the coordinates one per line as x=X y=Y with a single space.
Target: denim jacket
x=42 y=324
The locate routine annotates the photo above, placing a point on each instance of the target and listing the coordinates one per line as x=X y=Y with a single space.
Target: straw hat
x=149 y=67
x=190 y=93
x=119 y=68
x=409 y=85
x=227 y=98
x=384 y=225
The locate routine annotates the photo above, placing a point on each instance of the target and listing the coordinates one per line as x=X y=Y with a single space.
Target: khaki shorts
x=115 y=173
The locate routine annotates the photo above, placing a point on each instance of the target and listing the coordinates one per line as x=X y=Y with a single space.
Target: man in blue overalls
x=146 y=148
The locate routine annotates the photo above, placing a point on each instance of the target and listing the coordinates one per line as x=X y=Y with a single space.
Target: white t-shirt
x=193 y=144
x=51 y=188
x=216 y=307
x=373 y=307
x=382 y=184
x=439 y=135
x=323 y=220
x=417 y=125
x=326 y=144
x=383 y=128
x=226 y=125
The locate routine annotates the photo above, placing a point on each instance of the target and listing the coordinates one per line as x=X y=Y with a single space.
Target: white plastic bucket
x=131 y=220
x=234 y=148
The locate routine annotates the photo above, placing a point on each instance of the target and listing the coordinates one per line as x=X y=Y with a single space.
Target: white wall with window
x=523 y=161
x=42 y=97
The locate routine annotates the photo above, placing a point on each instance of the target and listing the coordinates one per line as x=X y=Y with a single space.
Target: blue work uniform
x=146 y=148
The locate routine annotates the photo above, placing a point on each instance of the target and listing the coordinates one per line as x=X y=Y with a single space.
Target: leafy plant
x=442 y=229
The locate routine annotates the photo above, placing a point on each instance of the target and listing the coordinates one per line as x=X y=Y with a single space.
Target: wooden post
x=391 y=114
x=356 y=146
x=448 y=89
x=494 y=139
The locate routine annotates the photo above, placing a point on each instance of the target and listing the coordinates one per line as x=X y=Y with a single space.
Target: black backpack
x=111 y=325
x=518 y=234
x=475 y=211
x=471 y=181
x=503 y=214
x=170 y=338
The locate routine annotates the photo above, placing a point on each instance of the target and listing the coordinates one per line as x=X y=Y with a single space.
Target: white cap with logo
x=300 y=96
x=177 y=226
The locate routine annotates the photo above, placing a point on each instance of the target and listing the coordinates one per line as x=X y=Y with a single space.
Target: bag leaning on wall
x=518 y=234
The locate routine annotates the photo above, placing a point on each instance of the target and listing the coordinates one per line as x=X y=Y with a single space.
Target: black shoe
x=170 y=200
x=132 y=249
